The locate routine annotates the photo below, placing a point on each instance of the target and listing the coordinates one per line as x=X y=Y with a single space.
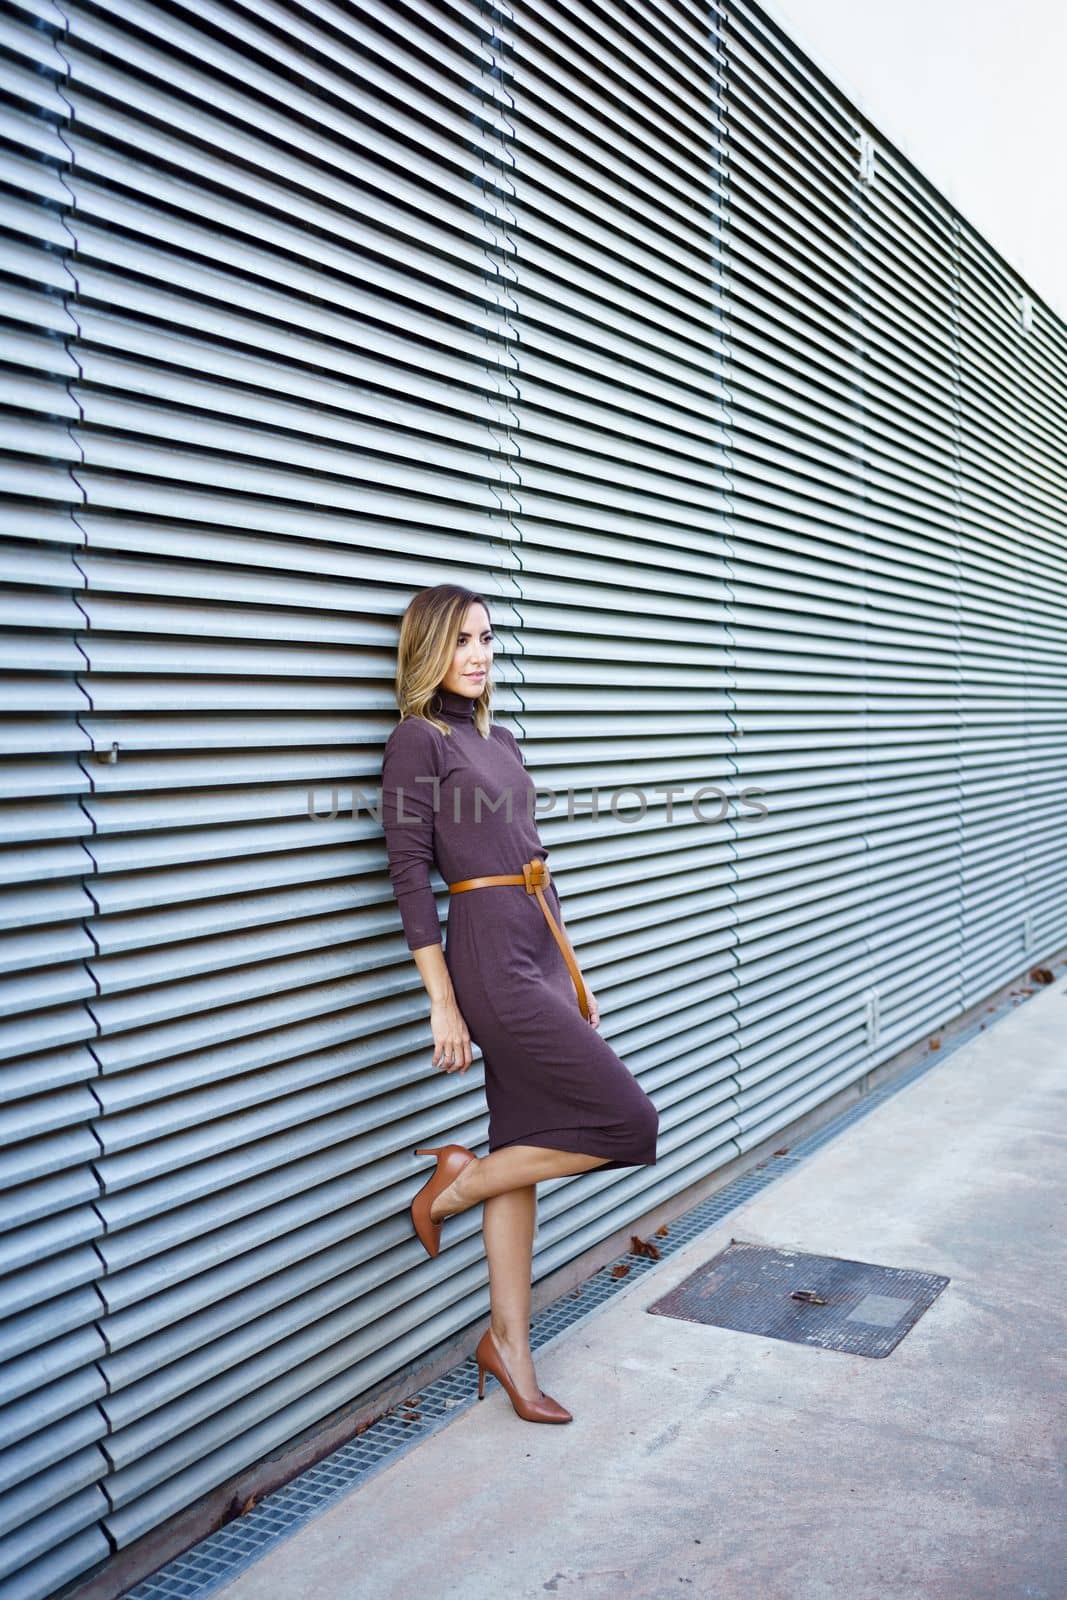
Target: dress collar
x=455 y=707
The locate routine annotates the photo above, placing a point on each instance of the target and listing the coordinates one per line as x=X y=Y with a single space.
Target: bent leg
x=515 y=1167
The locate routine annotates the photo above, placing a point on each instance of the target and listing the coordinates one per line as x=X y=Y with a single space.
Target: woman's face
x=474 y=654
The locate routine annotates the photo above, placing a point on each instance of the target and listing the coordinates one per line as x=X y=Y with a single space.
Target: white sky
x=974 y=94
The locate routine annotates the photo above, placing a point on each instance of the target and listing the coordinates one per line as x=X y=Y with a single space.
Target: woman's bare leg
x=507 y=1181
x=508 y=1222
x=514 y=1167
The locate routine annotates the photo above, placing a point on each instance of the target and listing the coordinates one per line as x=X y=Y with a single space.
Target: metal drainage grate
x=852 y=1306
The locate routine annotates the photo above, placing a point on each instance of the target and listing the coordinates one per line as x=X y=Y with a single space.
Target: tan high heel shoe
x=489 y=1359
x=451 y=1159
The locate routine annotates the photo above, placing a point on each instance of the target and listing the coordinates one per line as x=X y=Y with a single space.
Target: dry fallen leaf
x=643 y=1247
x=621 y=1270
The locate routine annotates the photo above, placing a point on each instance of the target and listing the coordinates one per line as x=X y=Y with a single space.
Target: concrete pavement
x=707 y=1462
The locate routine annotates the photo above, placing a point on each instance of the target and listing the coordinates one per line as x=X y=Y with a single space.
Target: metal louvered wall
x=52 y=1459
x=625 y=319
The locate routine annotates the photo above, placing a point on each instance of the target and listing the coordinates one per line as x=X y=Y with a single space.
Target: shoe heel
x=451 y=1159
x=481 y=1381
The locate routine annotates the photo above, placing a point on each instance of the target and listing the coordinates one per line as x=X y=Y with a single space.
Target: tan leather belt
x=535 y=878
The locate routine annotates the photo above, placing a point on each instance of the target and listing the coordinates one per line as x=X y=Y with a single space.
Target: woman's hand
x=594 y=1009
x=451 y=1040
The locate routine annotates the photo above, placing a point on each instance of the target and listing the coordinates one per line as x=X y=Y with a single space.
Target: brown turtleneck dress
x=550 y=1077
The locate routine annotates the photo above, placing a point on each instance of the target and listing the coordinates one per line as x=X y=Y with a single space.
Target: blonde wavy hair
x=429 y=630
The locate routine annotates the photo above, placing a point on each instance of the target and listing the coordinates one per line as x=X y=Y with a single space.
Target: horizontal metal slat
x=72 y=1513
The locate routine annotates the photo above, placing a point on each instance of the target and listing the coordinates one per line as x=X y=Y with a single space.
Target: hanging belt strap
x=535 y=878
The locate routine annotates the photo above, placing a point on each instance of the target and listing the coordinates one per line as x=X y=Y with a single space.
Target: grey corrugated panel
x=51 y=1466
x=306 y=616
x=41 y=902
x=36 y=184
x=40 y=1536
x=322 y=66
x=250 y=568
x=39 y=1452
x=45 y=575
x=279 y=1087
x=204 y=735
x=144 y=1180
x=798 y=545
x=46 y=1155
x=37 y=1536
x=52 y=818
x=38 y=480
x=47 y=1489
x=31 y=435
x=39 y=1282
x=30 y=692
x=995 y=623
x=41 y=1114
x=32 y=1330
x=159 y=1253
x=30 y=950
x=261 y=942
x=47 y=1029
x=46 y=1071
x=37 y=1210
x=32 y=520
x=332 y=891
x=28 y=51
x=61 y=1565
x=912 y=626
x=1043 y=430
x=30 y=140
x=50 y=1402
x=42 y=11
x=34 y=1239
x=246 y=1014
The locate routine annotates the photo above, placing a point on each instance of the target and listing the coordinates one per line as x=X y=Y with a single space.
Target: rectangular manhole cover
x=852 y=1306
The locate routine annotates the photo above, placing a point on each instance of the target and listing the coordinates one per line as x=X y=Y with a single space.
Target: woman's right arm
x=451 y=1038
x=410 y=776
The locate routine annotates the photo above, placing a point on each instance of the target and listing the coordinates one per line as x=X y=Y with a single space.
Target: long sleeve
x=410 y=770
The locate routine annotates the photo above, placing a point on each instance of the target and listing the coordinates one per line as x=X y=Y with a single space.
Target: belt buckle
x=536 y=875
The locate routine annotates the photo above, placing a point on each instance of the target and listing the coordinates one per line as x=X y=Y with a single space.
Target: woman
x=455 y=792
